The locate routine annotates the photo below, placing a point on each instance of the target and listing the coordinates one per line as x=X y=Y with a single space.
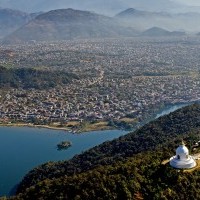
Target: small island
x=64 y=145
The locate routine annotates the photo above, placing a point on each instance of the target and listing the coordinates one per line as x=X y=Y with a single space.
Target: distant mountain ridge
x=134 y=12
x=11 y=20
x=159 y=32
x=69 y=24
x=65 y=24
x=106 y=7
x=142 y=20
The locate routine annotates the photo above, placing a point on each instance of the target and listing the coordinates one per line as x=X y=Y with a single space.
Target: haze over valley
x=122 y=19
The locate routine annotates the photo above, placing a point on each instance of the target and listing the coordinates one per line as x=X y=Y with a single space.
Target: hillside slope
x=143 y=20
x=161 y=134
x=11 y=20
x=141 y=177
x=159 y=32
x=68 y=24
x=33 y=78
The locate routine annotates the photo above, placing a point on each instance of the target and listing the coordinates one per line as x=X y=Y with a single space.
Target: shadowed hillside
x=11 y=20
x=32 y=78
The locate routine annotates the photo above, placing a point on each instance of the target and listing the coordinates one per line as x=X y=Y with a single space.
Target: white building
x=182 y=159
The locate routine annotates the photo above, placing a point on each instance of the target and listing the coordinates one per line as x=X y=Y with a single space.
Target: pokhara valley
x=99 y=100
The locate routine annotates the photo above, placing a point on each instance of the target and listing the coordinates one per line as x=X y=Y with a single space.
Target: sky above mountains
x=188 y=2
x=108 y=7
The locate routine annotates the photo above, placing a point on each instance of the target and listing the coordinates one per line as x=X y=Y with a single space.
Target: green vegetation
x=121 y=124
x=64 y=145
x=126 y=168
x=95 y=125
x=32 y=78
x=141 y=177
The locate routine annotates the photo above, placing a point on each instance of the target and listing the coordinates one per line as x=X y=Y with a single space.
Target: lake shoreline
x=66 y=129
x=73 y=135
x=32 y=126
x=90 y=126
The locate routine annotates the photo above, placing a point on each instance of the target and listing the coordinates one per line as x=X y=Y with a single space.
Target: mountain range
x=11 y=20
x=108 y=7
x=172 y=21
x=159 y=32
x=67 y=24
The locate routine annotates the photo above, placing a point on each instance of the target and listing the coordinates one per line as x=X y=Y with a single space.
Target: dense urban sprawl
x=118 y=79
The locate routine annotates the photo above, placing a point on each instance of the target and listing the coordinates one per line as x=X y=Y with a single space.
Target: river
x=23 y=148
x=170 y=108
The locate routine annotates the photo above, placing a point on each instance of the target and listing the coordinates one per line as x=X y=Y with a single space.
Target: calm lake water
x=22 y=149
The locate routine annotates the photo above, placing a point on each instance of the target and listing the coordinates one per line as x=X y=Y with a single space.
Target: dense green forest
x=141 y=177
x=33 y=78
x=126 y=168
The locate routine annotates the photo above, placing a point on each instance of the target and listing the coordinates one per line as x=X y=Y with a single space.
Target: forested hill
x=117 y=160
x=33 y=78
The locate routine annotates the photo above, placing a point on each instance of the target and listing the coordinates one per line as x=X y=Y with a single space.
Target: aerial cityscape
x=96 y=97
x=122 y=80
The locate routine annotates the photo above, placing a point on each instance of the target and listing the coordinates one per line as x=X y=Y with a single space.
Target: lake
x=23 y=148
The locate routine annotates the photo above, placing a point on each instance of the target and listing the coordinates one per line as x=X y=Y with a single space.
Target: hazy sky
x=189 y=2
x=107 y=7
